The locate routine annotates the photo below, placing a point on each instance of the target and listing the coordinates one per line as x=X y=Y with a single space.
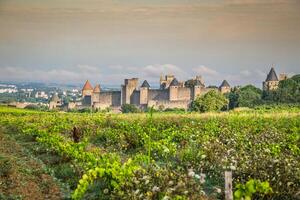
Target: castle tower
x=224 y=87
x=165 y=83
x=173 y=90
x=130 y=85
x=96 y=94
x=197 y=89
x=87 y=92
x=271 y=82
x=199 y=78
x=144 y=93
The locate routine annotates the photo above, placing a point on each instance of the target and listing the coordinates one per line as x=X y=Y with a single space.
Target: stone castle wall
x=158 y=94
x=135 y=98
x=169 y=104
x=108 y=99
x=175 y=96
x=184 y=93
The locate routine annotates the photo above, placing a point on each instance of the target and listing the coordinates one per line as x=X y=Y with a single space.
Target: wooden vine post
x=228 y=185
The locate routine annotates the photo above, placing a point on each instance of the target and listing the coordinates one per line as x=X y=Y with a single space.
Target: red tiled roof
x=87 y=86
x=97 y=88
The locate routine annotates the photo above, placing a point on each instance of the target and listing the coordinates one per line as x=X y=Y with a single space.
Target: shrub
x=129 y=108
x=211 y=101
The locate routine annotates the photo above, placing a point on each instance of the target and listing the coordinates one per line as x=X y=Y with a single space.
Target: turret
x=197 y=88
x=144 y=89
x=96 y=93
x=165 y=83
x=272 y=81
x=173 y=90
x=87 y=89
x=87 y=92
x=130 y=85
x=224 y=87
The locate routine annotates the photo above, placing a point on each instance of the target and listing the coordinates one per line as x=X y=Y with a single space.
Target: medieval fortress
x=171 y=93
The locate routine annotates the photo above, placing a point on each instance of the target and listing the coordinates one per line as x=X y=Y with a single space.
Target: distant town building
x=55 y=102
x=8 y=90
x=41 y=94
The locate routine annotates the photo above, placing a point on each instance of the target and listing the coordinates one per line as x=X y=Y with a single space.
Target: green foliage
x=211 y=101
x=247 y=96
x=165 y=155
x=288 y=92
x=252 y=187
x=129 y=108
x=233 y=97
x=175 y=110
x=85 y=110
x=296 y=78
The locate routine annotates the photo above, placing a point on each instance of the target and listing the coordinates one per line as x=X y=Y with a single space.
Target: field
x=155 y=156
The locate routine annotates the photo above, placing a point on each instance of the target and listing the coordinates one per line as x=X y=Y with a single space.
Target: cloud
x=115 y=75
x=203 y=70
x=157 y=70
x=75 y=74
x=255 y=2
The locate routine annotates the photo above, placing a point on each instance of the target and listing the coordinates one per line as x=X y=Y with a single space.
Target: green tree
x=211 y=101
x=288 y=91
x=249 y=96
x=233 y=97
x=296 y=78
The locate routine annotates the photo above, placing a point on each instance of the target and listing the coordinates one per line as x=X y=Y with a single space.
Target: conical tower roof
x=87 y=86
x=224 y=84
x=198 y=83
x=174 y=82
x=145 y=84
x=97 y=88
x=272 y=75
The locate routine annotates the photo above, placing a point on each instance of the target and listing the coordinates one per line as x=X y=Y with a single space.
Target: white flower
x=218 y=190
x=191 y=174
x=146 y=182
x=202 y=178
x=155 y=189
x=170 y=183
x=232 y=167
x=197 y=176
x=166 y=150
x=137 y=191
x=165 y=198
x=105 y=191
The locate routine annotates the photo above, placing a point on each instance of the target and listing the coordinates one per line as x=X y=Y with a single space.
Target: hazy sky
x=105 y=41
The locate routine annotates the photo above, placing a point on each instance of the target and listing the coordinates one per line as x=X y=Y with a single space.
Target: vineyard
x=163 y=156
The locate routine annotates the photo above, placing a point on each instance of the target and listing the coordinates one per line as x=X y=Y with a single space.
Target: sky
x=106 y=41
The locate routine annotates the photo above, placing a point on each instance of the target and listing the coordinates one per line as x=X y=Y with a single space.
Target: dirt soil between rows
x=22 y=177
